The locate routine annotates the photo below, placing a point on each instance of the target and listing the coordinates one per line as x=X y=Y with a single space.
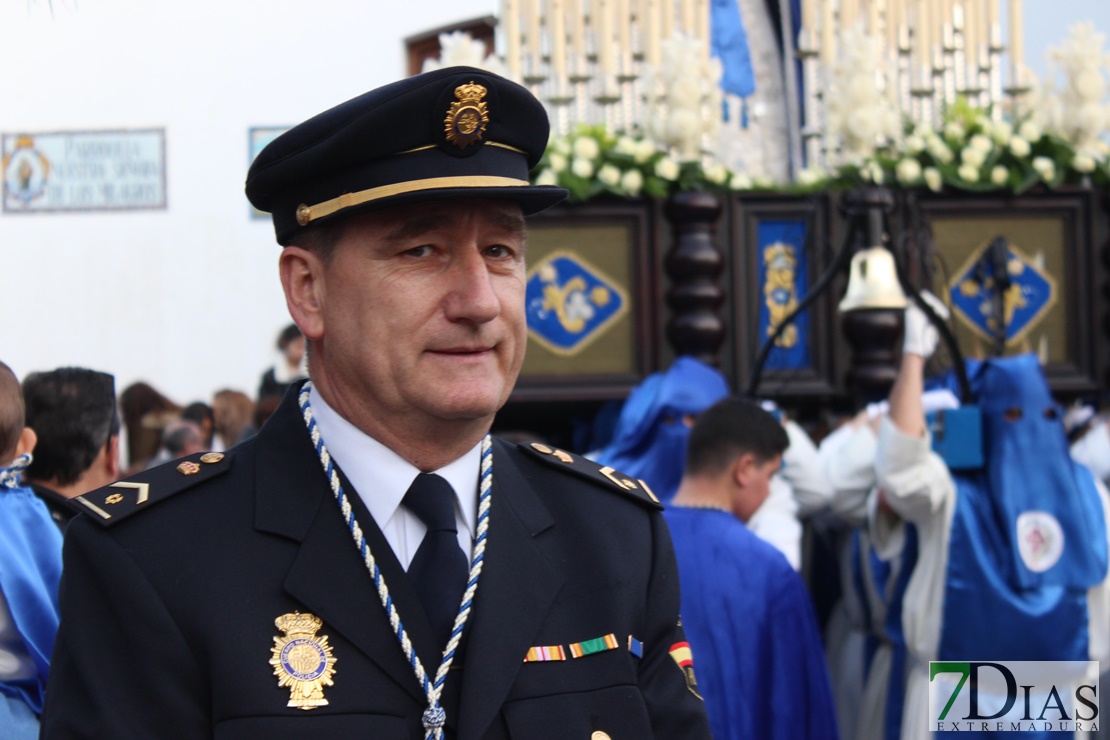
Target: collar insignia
x=302 y=661
x=468 y=116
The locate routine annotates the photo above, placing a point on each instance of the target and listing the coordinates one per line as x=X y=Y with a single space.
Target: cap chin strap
x=307 y=214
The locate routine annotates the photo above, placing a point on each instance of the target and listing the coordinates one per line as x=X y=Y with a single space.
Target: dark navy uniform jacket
x=168 y=608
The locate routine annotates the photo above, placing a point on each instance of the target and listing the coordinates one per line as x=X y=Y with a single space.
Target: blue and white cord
x=434 y=716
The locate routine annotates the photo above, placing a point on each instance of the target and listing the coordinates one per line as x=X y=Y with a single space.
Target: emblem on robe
x=1040 y=540
x=302 y=660
x=467 y=117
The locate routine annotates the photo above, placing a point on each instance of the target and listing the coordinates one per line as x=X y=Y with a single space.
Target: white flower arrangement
x=862 y=107
x=461 y=49
x=681 y=91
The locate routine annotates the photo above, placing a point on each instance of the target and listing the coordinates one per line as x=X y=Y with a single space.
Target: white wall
x=188 y=298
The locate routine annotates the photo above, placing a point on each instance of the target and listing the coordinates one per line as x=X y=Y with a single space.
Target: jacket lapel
x=293 y=499
x=516 y=589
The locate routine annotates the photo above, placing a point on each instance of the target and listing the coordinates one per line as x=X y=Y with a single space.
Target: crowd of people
x=313 y=562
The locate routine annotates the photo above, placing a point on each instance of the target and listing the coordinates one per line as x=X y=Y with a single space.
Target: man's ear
x=111 y=462
x=302 y=279
x=742 y=469
x=27 y=441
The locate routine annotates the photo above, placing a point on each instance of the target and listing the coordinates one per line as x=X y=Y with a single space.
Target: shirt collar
x=381 y=476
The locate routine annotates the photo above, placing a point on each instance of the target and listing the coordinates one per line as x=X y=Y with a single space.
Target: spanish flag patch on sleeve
x=684 y=658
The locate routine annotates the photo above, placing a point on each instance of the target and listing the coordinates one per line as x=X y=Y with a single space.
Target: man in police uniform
x=307 y=584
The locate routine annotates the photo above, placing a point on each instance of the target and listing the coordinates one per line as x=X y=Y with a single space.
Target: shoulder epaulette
x=123 y=498
x=588 y=469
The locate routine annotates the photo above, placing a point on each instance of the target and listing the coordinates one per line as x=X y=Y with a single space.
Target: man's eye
x=499 y=251
x=422 y=251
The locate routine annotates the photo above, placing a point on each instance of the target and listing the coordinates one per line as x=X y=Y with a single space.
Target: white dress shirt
x=382 y=477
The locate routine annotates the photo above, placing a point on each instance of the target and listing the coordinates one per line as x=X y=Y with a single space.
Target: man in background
x=748 y=617
x=73 y=411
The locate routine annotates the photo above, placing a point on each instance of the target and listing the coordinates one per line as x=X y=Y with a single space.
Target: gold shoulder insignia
x=603 y=475
x=121 y=499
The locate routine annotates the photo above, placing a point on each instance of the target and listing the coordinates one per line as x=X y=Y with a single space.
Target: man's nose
x=471 y=295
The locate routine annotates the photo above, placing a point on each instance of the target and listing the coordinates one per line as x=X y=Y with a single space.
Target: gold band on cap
x=497 y=144
x=308 y=214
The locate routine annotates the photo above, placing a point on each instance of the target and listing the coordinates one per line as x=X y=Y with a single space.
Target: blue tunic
x=30 y=569
x=758 y=657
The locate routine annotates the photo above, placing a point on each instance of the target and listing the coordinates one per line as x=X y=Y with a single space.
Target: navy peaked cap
x=455 y=132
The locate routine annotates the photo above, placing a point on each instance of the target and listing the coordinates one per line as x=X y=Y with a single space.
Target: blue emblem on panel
x=1031 y=294
x=783 y=283
x=570 y=303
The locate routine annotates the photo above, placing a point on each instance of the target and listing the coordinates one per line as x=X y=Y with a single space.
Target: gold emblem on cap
x=188 y=468
x=304 y=214
x=211 y=457
x=302 y=661
x=468 y=116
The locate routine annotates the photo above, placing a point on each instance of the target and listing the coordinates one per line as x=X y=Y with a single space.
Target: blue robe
x=758 y=657
x=650 y=439
x=30 y=569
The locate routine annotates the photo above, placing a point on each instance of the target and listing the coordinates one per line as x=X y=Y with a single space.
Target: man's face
x=423 y=311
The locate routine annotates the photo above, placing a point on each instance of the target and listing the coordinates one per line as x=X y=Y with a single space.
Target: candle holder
x=905 y=72
x=994 y=91
x=811 y=131
x=948 y=55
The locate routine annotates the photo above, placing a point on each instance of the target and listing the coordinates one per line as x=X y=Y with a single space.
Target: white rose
x=968 y=173
x=915 y=144
x=972 y=157
x=1019 y=146
x=547 y=177
x=999 y=175
x=667 y=169
x=609 y=175
x=626 y=145
x=1045 y=167
x=876 y=173
x=558 y=162
x=584 y=168
x=740 y=181
x=933 y=179
x=561 y=145
x=1030 y=131
x=808 y=176
x=1083 y=163
x=716 y=173
x=762 y=181
x=936 y=146
x=1001 y=132
x=908 y=171
x=981 y=144
x=585 y=147
x=645 y=150
x=954 y=130
x=632 y=181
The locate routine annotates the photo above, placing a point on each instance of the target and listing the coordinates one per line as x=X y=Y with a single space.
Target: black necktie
x=438 y=570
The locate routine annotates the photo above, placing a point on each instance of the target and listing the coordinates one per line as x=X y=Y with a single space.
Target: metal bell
x=873 y=282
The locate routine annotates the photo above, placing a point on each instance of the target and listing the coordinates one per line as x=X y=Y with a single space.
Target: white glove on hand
x=920 y=337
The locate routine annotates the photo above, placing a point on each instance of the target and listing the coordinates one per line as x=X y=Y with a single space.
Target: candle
x=893 y=20
x=623 y=13
x=651 y=23
x=510 y=18
x=971 y=38
x=688 y=17
x=535 y=39
x=828 y=35
x=603 y=30
x=556 y=21
x=666 y=14
x=809 y=15
x=921 y=42
x=702 y=23
x=1017 y=42
x=576 y=16
x=849 y=12
x=873 y=17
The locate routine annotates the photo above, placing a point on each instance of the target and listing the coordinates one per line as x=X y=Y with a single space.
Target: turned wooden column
x=693 y=266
